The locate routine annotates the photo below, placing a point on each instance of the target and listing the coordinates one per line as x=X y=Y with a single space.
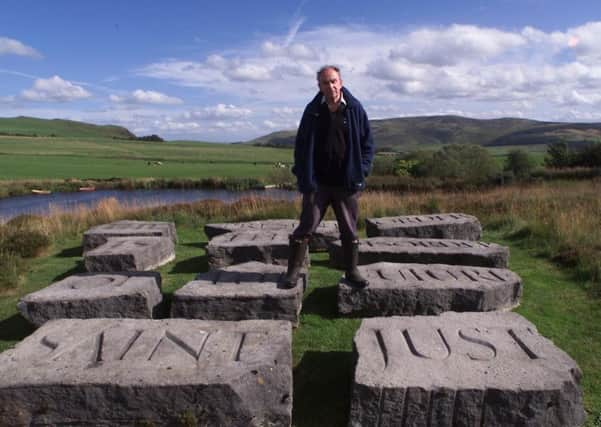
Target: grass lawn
x=322 y=344
x=36 y=158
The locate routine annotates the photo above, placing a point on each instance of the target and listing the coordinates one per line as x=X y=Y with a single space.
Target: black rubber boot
x=351 y=259
x=296 y=259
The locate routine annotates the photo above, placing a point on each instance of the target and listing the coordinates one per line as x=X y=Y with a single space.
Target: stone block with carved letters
x=93 y=295
x=132 y=372
x=462 y=369
x=435 y=226
x=424 y=251
x=412 y=289
x=270 y=247
x=251 y=290
x=327 y=231
x=98 y=235
x=130 y=254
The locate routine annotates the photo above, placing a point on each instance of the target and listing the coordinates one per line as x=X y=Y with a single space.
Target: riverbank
x=561 y=302
x=14 y=188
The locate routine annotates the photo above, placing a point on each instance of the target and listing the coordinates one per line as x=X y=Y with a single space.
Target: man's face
x=330 y=85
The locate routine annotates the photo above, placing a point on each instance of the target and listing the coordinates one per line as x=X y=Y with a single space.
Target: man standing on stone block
x=333 y=153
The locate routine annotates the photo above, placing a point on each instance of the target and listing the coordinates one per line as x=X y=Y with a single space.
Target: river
x=42 y=204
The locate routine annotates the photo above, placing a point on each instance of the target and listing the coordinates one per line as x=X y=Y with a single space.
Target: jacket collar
x=348 y=97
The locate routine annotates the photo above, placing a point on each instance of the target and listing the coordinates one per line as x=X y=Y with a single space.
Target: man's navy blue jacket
x=359 y=146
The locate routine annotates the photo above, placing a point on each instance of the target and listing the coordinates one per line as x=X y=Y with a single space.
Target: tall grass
x=562 y=220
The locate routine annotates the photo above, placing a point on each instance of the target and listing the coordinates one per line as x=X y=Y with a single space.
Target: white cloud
x=455 y=44
x=146 y=97
x=54 y=89
x=264 y=84
x=15 y=47
x=220 y=111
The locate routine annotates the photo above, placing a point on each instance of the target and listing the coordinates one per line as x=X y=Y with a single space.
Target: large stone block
x=244 y=291
x=97 y=236
x=424 y=251
x=412 y=289
x=130 y=372
x=270 y=247
x=85 y=296
x=130 y=254
x=326 y=232
x=462 y=369
x=436 y=226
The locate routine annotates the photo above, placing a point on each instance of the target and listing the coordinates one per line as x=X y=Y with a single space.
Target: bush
x=383 y=165
x=471 y=164
x=519 y=163
x=558 y=155
x=24 y=242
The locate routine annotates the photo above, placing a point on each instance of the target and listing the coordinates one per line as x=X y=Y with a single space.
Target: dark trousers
x=346 y=209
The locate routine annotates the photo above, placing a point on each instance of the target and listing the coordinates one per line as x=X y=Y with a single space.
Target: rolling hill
x=30 y=126
x=413 y=132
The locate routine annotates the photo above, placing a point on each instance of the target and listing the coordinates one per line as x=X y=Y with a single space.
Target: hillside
x=412 y=132
x=30 y=126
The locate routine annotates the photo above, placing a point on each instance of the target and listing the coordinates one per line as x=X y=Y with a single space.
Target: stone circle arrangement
x=437 y=345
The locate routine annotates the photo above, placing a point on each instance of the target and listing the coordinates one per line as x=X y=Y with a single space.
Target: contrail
x=297 y=21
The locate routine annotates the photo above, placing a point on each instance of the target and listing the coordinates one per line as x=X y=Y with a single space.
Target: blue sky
x=231 y=71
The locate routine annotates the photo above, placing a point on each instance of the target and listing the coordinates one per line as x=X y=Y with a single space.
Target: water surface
x=42 y=204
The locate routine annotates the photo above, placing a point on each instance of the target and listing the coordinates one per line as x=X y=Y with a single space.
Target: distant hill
x=413 y=132
x=30 y=126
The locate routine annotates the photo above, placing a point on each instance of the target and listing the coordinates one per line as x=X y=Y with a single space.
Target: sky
x=227 y=71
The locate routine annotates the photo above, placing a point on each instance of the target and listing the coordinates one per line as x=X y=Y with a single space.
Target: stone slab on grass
x=270 y=247
x=436 y=226
x=462 y=369
x=98 y=236
x=412 y=289
x=94 y=295
x=108 y=372
x=326 y=232
x=424 y=251
x=244 y=291
x=130 y=254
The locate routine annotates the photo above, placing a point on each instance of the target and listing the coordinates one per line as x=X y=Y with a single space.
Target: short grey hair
x=328 y=67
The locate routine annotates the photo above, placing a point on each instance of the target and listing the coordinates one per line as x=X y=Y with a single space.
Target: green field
x=101 y=158
x=322 y=344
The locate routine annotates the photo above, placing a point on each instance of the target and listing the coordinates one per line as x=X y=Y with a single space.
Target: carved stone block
x=462 y=369
x=130 y=372
x=85 y=296
x=270 y=247
x=130 y=254
x=412 y=289
x=326 y=232
x=97 y=236
x=244 y=291
x=436 y=226
x=424 y=251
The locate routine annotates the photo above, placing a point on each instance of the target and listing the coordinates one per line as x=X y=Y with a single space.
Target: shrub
x=471 y=164
x=558 y=155
x=519 y=163
x=27 y=243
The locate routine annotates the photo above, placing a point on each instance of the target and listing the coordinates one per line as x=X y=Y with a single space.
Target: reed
x=561 y=219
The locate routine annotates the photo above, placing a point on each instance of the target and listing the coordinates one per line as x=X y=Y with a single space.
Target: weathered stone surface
x=462 y=369
x=244 y=291
x=97 y=236
x=424 y=251
x=130 y=254
x=436 y=226
x=412 y=289
x=85 y=296
x=326 y=232
x=270 y=247
x=130 y=372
